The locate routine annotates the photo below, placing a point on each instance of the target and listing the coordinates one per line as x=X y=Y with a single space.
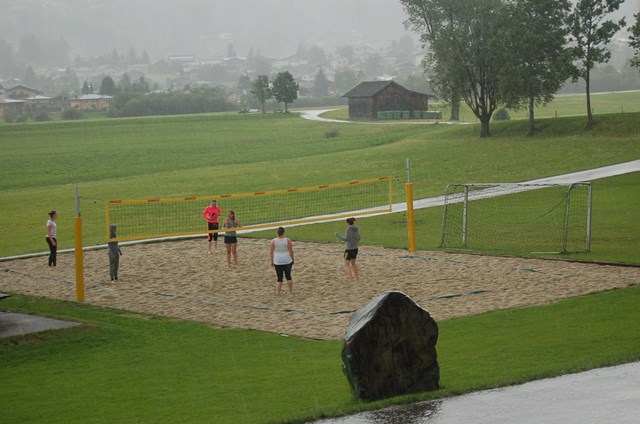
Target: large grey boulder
x=390 y=349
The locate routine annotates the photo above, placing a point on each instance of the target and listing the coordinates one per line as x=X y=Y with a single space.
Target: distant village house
x=91 y=102
x=21 y=92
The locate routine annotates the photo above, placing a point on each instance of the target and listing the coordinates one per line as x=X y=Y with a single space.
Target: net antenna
x=507 y=217
x=144 y=219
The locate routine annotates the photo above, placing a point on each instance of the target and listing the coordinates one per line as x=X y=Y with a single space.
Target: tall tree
x=243 y=89
x=535 y=35
x=321 y=84
x=85 y=87
x=635 y=41
x=108 y=86
x=464 y=58
x=430 y=18
x=30 y=78
x=591 y=32
x=261 y=90
x=125 y=83
x=316 y=56
x=345 y=80
x=285 y=89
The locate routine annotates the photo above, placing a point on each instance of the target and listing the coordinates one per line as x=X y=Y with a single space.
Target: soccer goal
x=140 y=219
x=535 y=218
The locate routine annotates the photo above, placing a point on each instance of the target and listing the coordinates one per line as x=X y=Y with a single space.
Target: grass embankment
x=127 y=367
x=209 y=154
x=561 y=107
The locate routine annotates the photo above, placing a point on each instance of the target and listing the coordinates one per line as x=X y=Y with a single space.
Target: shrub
x=72 y=113
x=501 y=114
x=9 y=117
x=332 y=133
x=41 y=116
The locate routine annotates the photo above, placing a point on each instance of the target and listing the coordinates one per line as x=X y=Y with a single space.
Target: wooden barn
x=370 y=97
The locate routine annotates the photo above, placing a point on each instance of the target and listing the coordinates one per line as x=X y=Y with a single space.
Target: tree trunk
x=484 y=125
x=590 y=121
x=532 y=124
x=286 y=109
x=455 y=108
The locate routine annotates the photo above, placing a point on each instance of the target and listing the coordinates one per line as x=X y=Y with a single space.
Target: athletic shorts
x=350 y=255
x=212 y=226
x=230 y=239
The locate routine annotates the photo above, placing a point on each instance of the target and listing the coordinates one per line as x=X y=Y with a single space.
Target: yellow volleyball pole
x=78 y=251
x=411 y=227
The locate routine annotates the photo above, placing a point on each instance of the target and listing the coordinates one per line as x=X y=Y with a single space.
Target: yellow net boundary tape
x=139 y=219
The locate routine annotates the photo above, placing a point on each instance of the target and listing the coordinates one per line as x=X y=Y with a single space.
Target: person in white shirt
x=281 y=252
x=52 y=230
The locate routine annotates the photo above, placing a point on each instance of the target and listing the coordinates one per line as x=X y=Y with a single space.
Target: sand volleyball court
x=179 y=279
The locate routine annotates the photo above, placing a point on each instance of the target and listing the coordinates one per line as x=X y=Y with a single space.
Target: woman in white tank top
x=52 y=241
x=281 y=253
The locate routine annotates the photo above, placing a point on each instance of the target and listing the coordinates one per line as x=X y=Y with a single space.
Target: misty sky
x=203 y=27
x=206 y=27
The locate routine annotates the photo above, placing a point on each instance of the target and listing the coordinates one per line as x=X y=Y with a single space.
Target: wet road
x=604 y=395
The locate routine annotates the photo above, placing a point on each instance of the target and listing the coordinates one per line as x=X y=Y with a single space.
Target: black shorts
x=230 y=239
x=212 y=226
x=283 y=271
x=350 y=255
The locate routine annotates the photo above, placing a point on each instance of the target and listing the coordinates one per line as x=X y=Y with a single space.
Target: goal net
x=534 y=218
x=173 y=217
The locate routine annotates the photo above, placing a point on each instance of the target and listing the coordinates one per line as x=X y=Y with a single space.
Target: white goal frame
x=466 y=193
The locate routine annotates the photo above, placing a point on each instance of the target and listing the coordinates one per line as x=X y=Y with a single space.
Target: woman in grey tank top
x=230 y=239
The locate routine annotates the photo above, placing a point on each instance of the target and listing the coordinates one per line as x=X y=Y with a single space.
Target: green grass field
x=132 y=368
x=214 y=154
x=126 y=367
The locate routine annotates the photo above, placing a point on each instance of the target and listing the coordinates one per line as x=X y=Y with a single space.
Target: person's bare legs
x=228 y=247
x=356 y=271
x=234 y=252
x=347 y=269
x=290 y=286
x=279 y=287
x=215 y=246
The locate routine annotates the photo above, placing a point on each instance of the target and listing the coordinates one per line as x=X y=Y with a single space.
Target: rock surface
x=390 y=349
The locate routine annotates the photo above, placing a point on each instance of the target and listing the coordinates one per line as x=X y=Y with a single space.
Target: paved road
x=603 y=395
x=574 y=177
x=314 y=115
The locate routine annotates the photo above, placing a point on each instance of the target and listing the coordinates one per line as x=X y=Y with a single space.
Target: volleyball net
x=173 y=217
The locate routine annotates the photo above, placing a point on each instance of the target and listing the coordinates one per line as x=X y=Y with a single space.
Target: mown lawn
x=130 y=368
x=210 y=155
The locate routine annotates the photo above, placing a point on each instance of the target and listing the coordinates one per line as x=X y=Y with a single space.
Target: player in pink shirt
x=211 y=214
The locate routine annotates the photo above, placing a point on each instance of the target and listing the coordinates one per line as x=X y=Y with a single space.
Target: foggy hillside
x=202 y=27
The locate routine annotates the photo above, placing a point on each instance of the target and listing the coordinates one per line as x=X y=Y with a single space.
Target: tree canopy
x=285 y=89
x=510 y=53
x=591 y=32
x=321 y=84
x=261 y=90
x=535 y=34
x=635 y=41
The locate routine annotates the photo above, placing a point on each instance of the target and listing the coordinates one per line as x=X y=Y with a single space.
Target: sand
x=179 y=279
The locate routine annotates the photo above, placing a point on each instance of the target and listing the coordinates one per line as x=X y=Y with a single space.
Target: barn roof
x=367 y=88
x=370 y=88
